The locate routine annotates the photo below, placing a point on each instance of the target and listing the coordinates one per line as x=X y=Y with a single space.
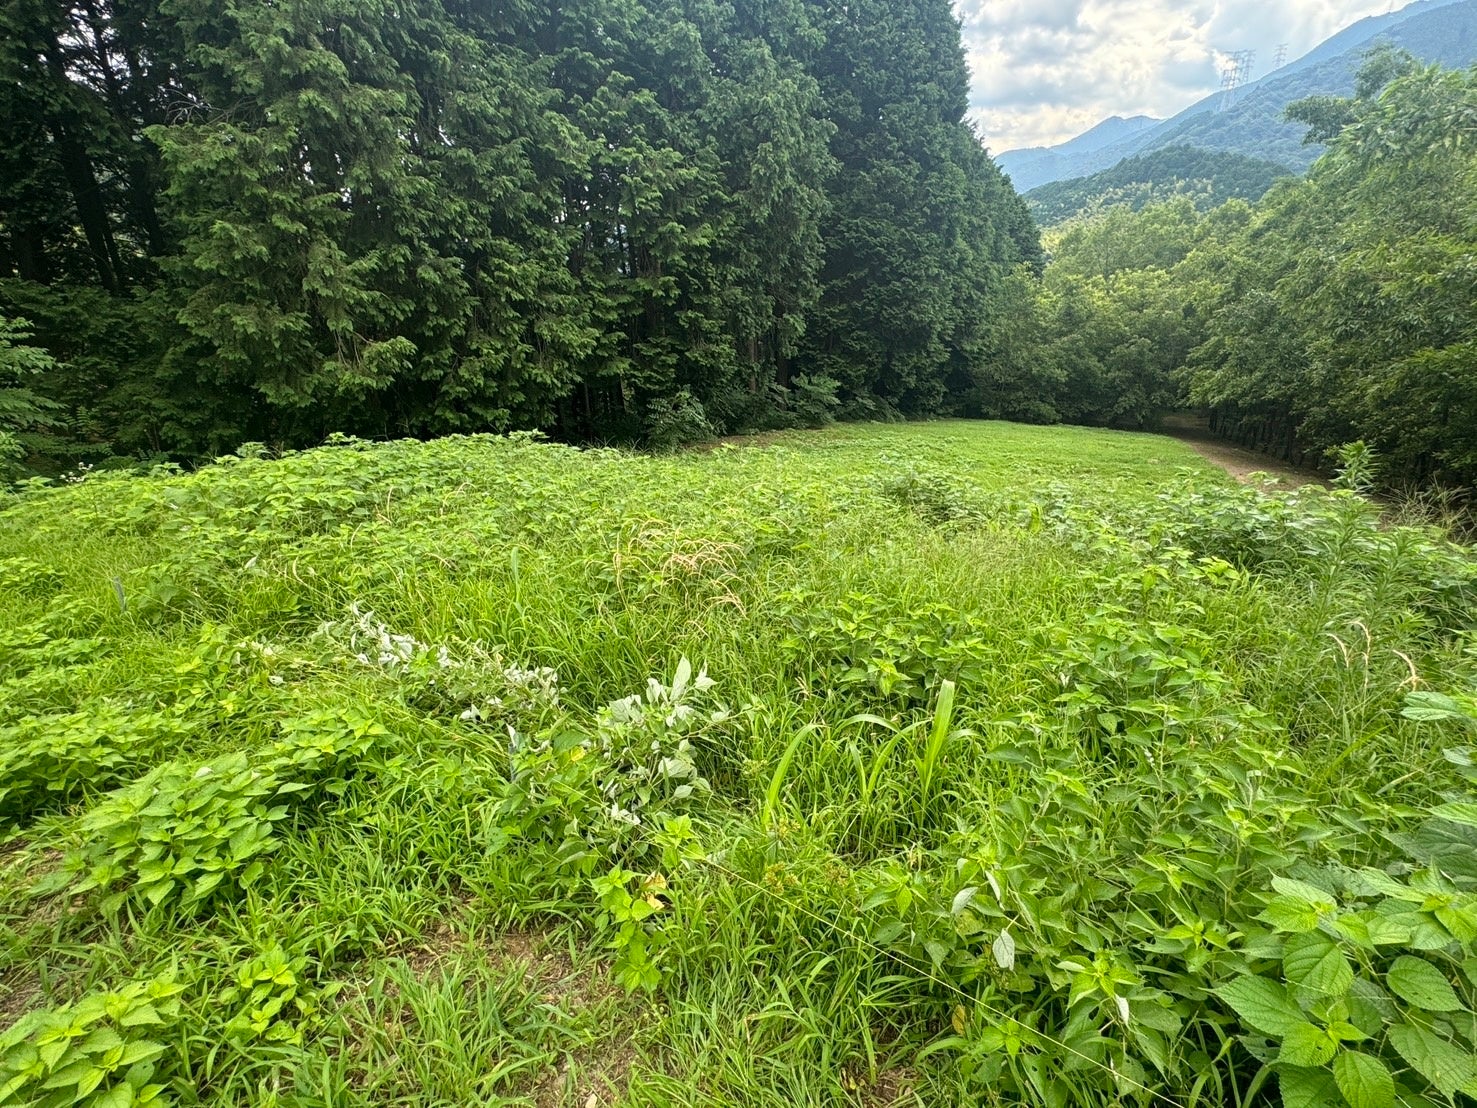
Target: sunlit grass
x=1077 y=672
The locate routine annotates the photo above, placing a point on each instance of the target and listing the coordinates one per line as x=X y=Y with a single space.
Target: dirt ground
x=1234 y=460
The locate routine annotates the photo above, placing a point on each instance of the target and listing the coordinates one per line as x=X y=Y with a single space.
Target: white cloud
x=1045 y=70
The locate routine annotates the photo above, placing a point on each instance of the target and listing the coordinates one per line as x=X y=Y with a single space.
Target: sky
x=1045 y=70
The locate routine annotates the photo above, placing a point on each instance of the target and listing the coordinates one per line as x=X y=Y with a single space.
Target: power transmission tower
x=1236 y=74
x=1278 y=61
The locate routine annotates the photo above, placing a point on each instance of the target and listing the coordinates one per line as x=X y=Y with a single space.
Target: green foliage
x=611 y=799
x=865 y=644
x=271 y=998
x=1327 y=116
x=1099 y=339
x=24 y=412
x=1338 y=314
x=96 y=1052
x=188 y=832
x=815 y=400
x=922 y=226
x=1063 y=770
x=1358 y=467
x=1369 y=991
x=628 y=224
x=674 y=422
x=1336 y=310
x=28 y=577
x=1208 y=177
x=48 y=760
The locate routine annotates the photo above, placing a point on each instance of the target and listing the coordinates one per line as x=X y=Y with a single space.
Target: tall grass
x=1016 y=738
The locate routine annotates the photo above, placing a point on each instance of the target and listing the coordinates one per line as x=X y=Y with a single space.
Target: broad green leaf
x=140 y=1015
x=1310 y=895
x=1384 y=931
x=119 y=1096
x=69 y=1074
x=1306 y=1045
x=1263 y=1005
x=1364 y=1080
x=680 y=679
x=1460 y=920
x=1445 y=1066
x=1430 y=706
x=1417 y=982
x=1003 y=949
x=1463 y=812
x=1157 y=1015
x=1316 y=964
x=102 y=1039
x=51 y=1053
x=205 y=885
x=1306 y=1088
x=141 y=1051
x=1354 y=928
x=1370 y=880
x=90 y=1081
x=1286 y=913
x=962 y=899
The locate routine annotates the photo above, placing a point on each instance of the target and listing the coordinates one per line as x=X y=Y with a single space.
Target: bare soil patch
x=590 y=1078
x=20 y=991
x=597 y=1073
x=893 y=1088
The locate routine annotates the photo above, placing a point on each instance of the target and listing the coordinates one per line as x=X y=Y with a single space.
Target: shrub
x=676 y=421
x=95 y=1053
x=48 y=760
x=188 y=832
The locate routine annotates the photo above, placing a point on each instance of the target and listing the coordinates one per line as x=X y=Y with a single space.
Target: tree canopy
x=1208 y=177
x=1341 y=307
x=627 y=220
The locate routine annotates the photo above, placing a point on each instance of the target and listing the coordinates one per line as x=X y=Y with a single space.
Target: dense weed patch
x=1034 y=768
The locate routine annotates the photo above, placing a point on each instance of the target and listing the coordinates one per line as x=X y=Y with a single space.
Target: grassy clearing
x=948 y=763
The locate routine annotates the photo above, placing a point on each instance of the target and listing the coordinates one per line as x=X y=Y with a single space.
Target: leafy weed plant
x=1055 y=770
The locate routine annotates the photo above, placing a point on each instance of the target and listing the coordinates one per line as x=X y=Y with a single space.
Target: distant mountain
x=1443 y=31
x=1208 y=177
x=1033 y=165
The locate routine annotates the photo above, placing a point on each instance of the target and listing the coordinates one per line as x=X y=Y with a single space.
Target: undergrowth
x=945 y=764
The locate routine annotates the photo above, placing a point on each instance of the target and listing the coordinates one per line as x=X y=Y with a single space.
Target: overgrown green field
x=941 y=764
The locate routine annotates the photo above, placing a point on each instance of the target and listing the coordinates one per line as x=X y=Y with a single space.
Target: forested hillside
x=1255 y=123
x=1207 y=177
x=1435 y=31
x=642 y=221
x=1341 y=308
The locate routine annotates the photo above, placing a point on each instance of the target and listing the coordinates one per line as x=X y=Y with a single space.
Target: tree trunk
x=82 y=182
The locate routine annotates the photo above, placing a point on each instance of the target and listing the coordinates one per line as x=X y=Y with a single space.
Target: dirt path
x=1234 y=460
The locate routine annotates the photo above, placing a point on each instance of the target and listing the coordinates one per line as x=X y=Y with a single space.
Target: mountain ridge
x=1442 y=31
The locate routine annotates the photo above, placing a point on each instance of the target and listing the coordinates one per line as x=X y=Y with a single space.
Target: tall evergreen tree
x=609 y=218
x=922 y=226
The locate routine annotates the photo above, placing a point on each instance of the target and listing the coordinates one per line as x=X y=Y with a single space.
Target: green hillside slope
x=1252 y=124
x=1255 y=124
x=1208 y=177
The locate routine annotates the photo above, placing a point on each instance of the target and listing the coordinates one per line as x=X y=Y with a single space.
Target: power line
x=1236 y=74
